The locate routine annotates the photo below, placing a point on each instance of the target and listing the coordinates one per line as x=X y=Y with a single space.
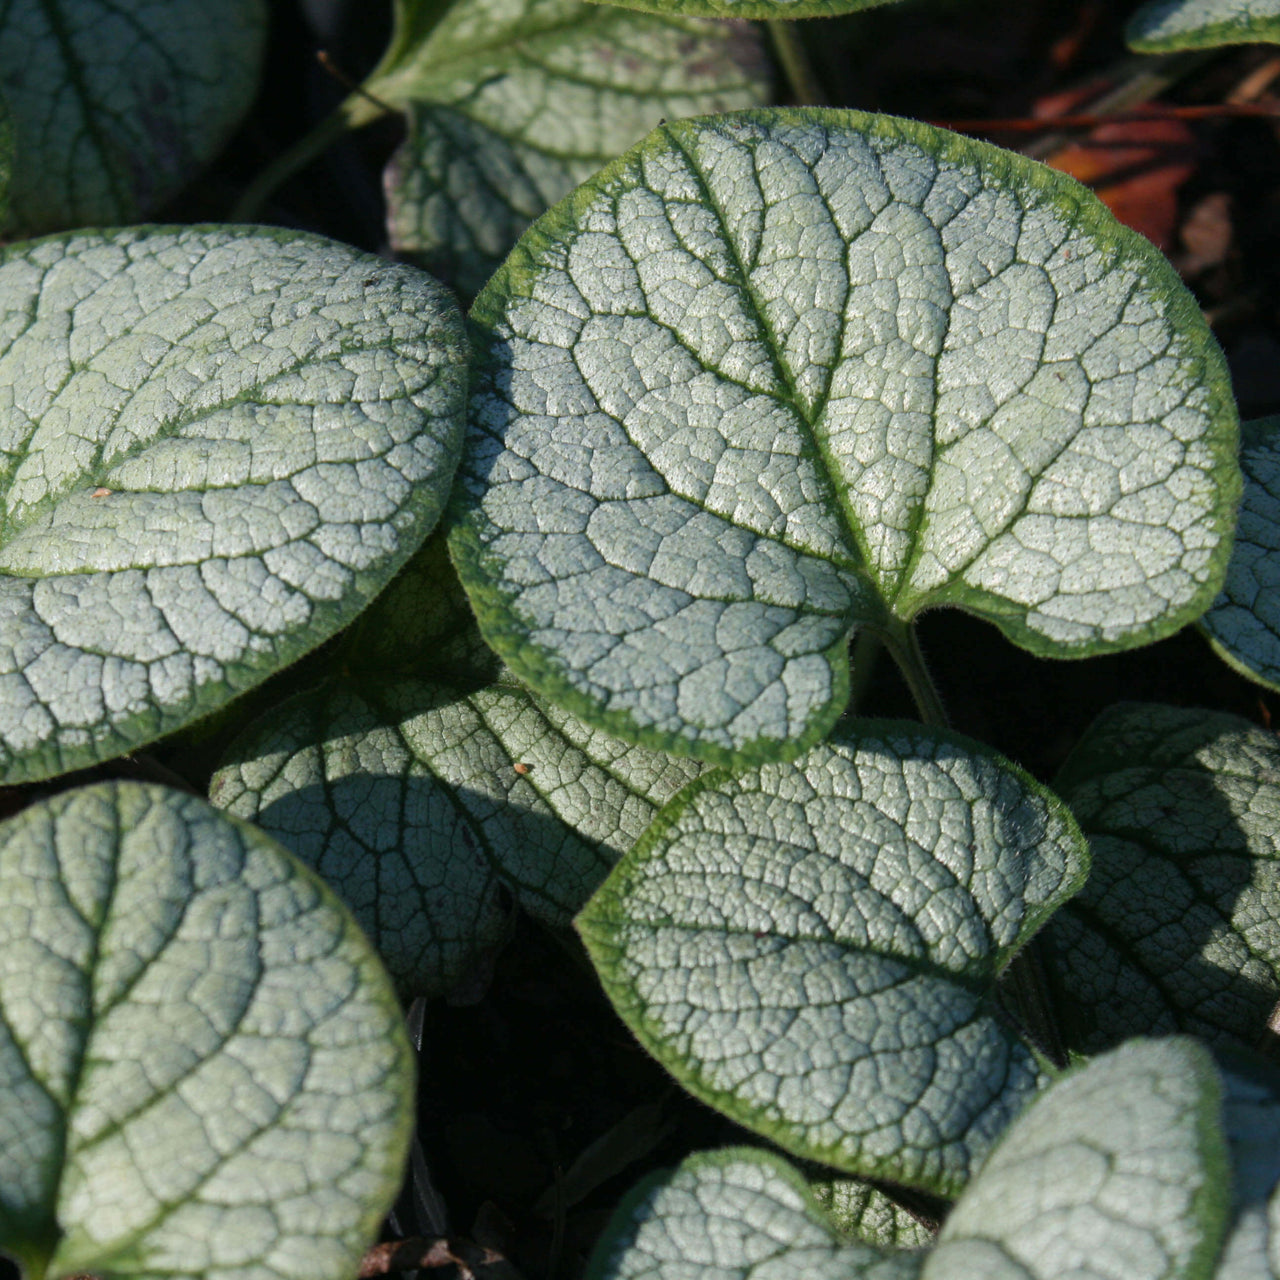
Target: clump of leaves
x=769 y=382
x=1074 y=1178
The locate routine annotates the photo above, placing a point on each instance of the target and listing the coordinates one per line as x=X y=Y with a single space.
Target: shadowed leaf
x=117 y=103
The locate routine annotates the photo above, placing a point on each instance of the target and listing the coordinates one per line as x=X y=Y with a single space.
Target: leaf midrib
x=848 y=524
x=981 y=984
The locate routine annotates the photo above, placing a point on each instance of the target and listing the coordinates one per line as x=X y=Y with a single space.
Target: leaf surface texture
x=205 y=1071
x=117 y=103
x=511 y=104
x=864 y=1212
x=737 y=1214
x=1244 y=623
x=1119 y=1169
x=774 y=375
x=215 y=447
x=812 y=948
x=434 y=796
x=1176 y=929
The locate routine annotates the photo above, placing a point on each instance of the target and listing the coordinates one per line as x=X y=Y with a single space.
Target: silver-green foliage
x=1176 y=928
x=734 y=1215
x=216 y=445
x=763 y=9
x=203 y=1068
x=118 y=102
x=434 y=796
x=432 y=810
x=1163 y=25
x=813 y=948
x=1119 y=1169
x=512 y=103
x=863 y=1212
x=1244 y=623
x=773 y=375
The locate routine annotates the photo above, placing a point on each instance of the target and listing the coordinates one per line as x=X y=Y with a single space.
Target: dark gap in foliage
x=512 y=1089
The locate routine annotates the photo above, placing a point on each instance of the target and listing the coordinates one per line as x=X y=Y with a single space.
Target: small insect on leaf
x=523 y=768
x=101 y=493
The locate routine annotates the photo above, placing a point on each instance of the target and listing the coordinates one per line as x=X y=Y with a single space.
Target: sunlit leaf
x=1163 y=25
x=216 y=445
x=1118 y=1170
x=733 y=1214
x=205 y=1071
x=813 y=948
x=773 y=375
x=1136 y=167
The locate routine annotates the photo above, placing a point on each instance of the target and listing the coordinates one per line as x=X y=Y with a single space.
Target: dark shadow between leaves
x=425 y=874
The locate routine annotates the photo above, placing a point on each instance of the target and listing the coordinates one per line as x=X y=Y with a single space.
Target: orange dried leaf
x=1135 y=167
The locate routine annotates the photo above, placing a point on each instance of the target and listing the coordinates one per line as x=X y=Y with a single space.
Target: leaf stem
x=901 y=640
x=795 y=63
x=357 y=90
x=292 y=161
